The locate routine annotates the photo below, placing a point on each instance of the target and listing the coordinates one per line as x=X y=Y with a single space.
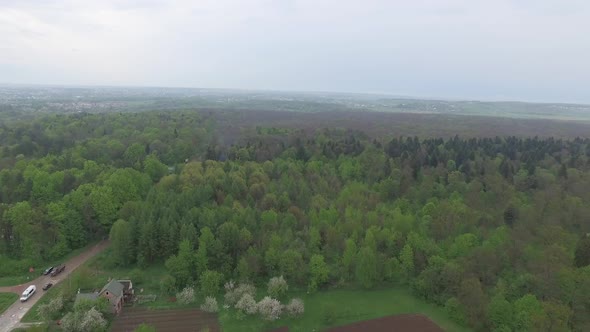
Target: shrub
x=234 y=294
x=186 y=296
x=145 y=328
x=136 y=275
x=330 y=314
x=455 y=310
x=247 y=304
x=277 y=287
x=295 y=307
x=168 y=285
x=210 y=304
x=269 y=308
x=210 y=282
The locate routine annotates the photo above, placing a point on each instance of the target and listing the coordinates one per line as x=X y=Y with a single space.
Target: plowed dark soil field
x=177 y=320
x=405 y=323
x=234 y=124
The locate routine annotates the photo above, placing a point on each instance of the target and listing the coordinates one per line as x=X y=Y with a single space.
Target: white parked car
x=28 y=293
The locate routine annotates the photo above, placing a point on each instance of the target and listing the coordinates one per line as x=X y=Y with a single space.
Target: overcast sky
x=535 y=50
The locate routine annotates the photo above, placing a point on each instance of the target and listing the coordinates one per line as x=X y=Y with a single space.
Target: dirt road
x=12 y=316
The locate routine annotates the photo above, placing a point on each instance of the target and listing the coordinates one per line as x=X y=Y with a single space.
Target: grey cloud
x=524 y=50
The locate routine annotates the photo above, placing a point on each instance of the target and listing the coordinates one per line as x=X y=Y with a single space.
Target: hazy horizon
x=529 y=51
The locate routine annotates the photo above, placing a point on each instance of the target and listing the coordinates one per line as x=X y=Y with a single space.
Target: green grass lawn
x=346 y=306
x=6 y=300
x=27 y=276
x=16 y=280
x=38 y=328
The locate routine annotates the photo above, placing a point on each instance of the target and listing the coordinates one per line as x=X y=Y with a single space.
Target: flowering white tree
x=247 y=304
x=230 y=285
x=235 y=293
x=231 y=297
x=186 y=296
x=71 y=321
x=269 y=308
x=277 y=287
x=82 y=321
x=93 y=321
x=295 y=307
x=48 y=310
x=210 y=304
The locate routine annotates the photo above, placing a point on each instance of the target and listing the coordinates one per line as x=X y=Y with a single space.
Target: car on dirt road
x=58 y=269
x=48 y=270
x=28 y=293
x=47 y=286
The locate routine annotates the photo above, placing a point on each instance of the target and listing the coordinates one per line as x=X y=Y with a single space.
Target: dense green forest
x=493 y=229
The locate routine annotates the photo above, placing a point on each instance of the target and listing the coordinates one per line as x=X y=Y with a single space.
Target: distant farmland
x=381 y=125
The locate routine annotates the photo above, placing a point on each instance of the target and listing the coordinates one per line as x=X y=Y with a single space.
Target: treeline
x=492 y=229
x=115 y=139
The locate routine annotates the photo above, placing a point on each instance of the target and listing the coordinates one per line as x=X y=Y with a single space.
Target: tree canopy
x=495 y=229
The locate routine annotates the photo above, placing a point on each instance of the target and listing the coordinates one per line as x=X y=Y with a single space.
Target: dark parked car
x=47 y=286
x=57 y=270
x=48 y=270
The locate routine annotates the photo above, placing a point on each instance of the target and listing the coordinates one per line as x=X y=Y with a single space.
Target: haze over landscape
x=493 y=50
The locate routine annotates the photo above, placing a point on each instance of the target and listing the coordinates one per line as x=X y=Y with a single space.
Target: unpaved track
x=12 y=316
